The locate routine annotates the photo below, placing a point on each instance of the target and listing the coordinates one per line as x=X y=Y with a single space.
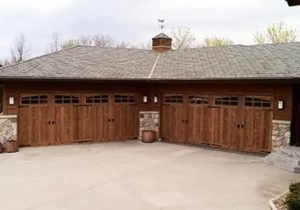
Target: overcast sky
x=135 y=21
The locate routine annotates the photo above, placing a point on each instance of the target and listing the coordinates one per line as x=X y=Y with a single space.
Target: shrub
x=295 y=187
x=293 y=198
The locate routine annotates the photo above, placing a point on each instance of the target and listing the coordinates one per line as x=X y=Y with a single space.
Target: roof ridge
x=241 y=45
x=153 y=67
x=125 y=48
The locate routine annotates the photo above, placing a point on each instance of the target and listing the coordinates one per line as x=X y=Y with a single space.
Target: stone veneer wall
x=8 y=127
x=149 y=120
x=281 y=133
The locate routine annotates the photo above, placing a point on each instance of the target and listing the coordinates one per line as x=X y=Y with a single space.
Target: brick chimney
x=161 y=43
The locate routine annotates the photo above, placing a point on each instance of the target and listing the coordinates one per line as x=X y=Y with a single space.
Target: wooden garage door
x=62 y=118
x=257 y=124
x=92 y=118
x=228 y=121
x=173 y=118
x=124 y=117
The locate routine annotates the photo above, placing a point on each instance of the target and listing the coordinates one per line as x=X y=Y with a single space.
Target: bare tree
x=276 y=33
x=122 y=45
x=5 y=62
x=19 y=51
x=103 y=41
x=182 y=38
x=146 y=46
x=55 y=43
x=85 y=40
x=216 y=42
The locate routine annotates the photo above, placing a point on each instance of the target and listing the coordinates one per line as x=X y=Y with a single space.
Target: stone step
x=297 y=170
x=283 y=161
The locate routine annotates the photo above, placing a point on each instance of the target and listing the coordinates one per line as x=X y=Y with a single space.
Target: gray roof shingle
x=271 y=61
x=231 y=62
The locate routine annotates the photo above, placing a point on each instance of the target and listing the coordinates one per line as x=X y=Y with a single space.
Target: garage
x=64 y=118
x=228 y=121
x=240 y=98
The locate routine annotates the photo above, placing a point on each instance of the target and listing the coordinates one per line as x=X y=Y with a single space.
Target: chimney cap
x=161 y=36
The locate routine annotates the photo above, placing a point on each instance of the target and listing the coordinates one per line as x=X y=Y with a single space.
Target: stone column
x=149 y=120
x=8 y=127
x=281 y=134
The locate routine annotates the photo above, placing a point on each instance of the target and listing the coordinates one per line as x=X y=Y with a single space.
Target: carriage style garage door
x=235 y=122
x=51 y=119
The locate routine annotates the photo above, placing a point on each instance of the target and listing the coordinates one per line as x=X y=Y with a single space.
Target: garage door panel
x=33 y=126
x=179 y=133
x=165 y=122
x=131 y=116
x=124 y=120
x=174 y=118
x=32 y=119
x=23 y=126
x=64 y=120
x=215 y=123
x=195 y=125
x=44 y=131
x=229 y=128
x=258 y=115
x=101 y=123
x=118 y=122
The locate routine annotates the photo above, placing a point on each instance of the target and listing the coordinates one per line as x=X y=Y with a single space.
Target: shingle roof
x=280 y=61
x=231 y=62
x=162 y=35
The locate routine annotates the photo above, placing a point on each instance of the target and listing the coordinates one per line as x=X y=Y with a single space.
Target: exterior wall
x=8 y=127
x=281 y=134
x=279 y=92
x=149 y=112
x=149 y=120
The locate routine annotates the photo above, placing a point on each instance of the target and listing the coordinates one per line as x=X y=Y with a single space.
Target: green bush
x=293 y=198
x=295 y=187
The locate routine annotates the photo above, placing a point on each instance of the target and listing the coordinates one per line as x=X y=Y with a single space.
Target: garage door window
x=227 y=100
x=173 y=99
x=254 y=101
x=97 y=99
x=124 y=99
x=35 y=99
x=66 y=99
x=198 y=100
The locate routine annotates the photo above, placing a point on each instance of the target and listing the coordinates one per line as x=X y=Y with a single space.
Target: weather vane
x=161 y=23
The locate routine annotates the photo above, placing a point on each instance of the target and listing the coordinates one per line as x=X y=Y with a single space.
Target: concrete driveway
x=137 y=176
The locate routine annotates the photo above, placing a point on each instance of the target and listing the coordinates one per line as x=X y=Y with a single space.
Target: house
x=244 y=98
